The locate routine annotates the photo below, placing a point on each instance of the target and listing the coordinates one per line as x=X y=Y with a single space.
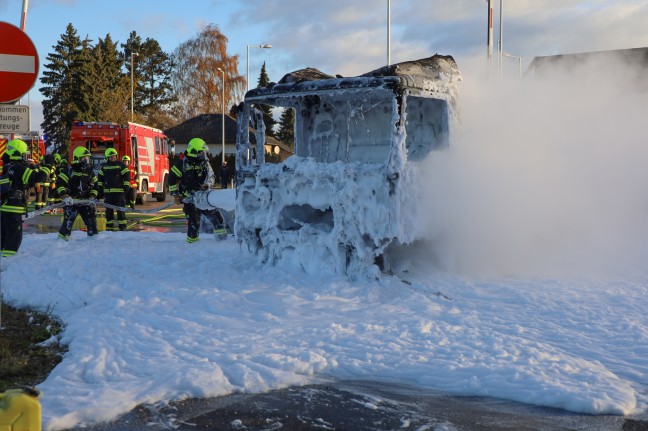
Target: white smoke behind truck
x=546 y=174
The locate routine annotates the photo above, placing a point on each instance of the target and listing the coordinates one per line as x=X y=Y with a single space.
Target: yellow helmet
x=80 y=152
x=125 y=159
x=111 y=152
x=195 y=146
x=16 y=149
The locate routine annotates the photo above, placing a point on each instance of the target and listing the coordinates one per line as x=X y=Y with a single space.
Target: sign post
x=18 y=63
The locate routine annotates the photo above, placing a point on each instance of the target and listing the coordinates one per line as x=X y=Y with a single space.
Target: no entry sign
x=18 y=63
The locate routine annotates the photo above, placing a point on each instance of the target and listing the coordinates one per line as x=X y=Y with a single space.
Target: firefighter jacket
x=78 y=181
x=50 y=174
x=189 y=175
x=17 y=179
x=132 y=177
x=113 y=177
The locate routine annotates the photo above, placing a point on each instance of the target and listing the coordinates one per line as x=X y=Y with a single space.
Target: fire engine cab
x=146 y=146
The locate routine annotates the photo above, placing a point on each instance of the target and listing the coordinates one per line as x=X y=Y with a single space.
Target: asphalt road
x=169 y=220
x=359 y=406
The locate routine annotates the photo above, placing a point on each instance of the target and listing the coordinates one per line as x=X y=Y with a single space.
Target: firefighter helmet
x=195 y=146
x=57 y=158
x=16 y=149
x=79 y=153
x=125 y=159
x=111 y=152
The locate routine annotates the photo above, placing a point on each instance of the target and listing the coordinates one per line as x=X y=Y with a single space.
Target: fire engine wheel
x=142 y=198
x=161 y=197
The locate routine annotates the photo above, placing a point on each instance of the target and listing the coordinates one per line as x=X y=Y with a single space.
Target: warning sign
x=14 y=119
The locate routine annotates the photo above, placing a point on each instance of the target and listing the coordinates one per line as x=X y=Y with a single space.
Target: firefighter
x=18 y=176
x=43 y=188
x=114 y=183
x=79 y=182
x=188 y=175
x=131 y=194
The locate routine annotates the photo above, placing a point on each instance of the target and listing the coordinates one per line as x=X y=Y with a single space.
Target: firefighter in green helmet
x=18 y=177
x=189 y=175
x=79 y=182
x=113 y=185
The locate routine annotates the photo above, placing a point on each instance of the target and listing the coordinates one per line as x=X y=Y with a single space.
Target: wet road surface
x=359 y=406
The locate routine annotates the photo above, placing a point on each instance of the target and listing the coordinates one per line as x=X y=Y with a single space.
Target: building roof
x=550 y=64
x=207 y=127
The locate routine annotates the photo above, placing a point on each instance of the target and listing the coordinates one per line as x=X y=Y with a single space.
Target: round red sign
x=18 y=63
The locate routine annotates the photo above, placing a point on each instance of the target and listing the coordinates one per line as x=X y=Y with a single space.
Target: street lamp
x=388 y=32
x=248 y=61
x=223 y=109
x=132 y=87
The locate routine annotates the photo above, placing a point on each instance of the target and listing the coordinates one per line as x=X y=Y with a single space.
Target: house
x=209 y=127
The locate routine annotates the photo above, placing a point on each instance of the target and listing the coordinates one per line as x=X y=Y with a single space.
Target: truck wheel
x=142 y=198
x=161 y=197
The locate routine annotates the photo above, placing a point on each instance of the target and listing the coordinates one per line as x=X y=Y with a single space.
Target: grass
x=24 y=361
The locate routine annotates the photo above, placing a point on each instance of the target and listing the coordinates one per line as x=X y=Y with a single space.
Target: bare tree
x=198 y=82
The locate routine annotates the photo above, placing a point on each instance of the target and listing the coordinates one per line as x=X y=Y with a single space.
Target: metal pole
x=248 y=60
x=23 y=16
x=489 y=35
x=501 y=37
x=223 y=111
x=132 y=89
x=388 y=32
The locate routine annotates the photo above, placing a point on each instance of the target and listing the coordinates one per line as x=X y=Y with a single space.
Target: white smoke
x=544 y=175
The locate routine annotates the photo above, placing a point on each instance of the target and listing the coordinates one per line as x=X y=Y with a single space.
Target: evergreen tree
x=111 y=88
x=286 y=132
x=269 y=121
x=152 y=70
x=66 y=88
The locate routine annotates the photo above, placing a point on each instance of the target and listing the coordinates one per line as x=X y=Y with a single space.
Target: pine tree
x=131 y=52
x=269 y=121
x=286 y=132
x=66 y=88
x=111 y=89
x=152 y=71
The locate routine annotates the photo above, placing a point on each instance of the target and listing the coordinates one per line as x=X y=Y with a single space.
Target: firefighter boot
x=220 y=233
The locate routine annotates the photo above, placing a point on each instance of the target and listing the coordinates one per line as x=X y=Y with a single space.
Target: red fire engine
x=34 y=142
x=146 y=146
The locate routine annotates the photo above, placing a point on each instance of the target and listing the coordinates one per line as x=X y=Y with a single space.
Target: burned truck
x=351 y=190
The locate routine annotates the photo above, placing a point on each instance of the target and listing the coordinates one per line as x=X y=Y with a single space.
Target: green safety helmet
x=80 y=152
x=111 y=152
x=195 y=146
x=57 y=158
x=125 y=159
x=16 y=149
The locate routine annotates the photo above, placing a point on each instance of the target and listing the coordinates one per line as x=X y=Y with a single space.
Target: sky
x=341 y=37
x=173 y=320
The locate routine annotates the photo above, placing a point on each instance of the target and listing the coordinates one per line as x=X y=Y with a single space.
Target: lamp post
x=223 y=109
x=248 y=61
x=388 y=32
x=132 y=87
